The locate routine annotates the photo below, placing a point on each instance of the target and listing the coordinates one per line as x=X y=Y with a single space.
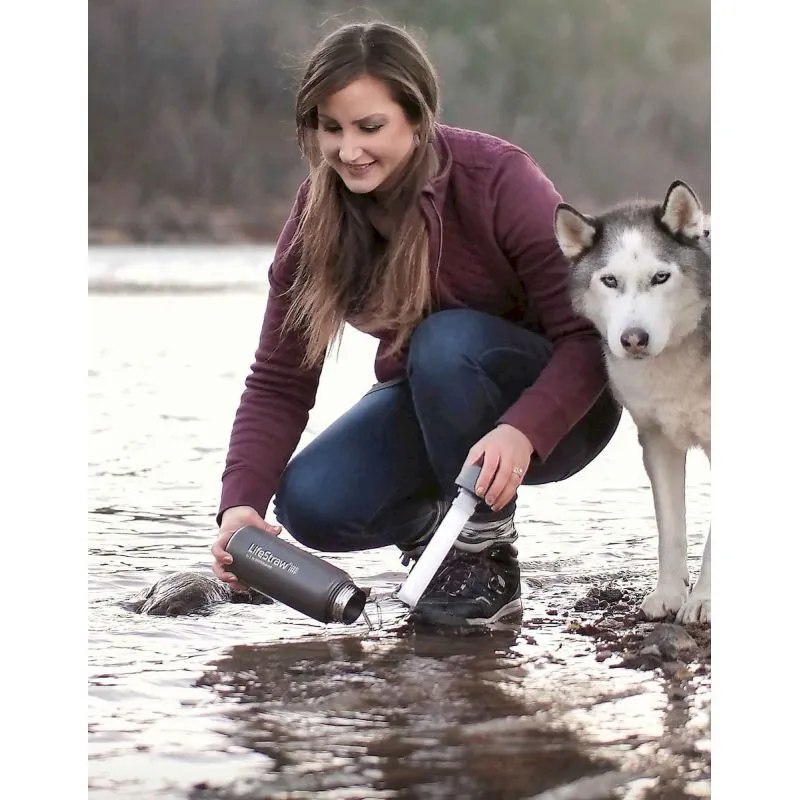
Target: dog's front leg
x=698 y=607
x=665 y=465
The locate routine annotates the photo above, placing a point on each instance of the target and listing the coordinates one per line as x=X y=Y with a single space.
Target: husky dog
x=641 y=273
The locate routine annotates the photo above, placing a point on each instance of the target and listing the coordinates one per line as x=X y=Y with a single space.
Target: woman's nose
x=349 y=150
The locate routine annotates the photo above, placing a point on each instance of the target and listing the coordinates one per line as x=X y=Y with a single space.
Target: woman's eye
x=371 y=128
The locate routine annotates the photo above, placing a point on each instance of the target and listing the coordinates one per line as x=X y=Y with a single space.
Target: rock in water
x=669 y=642
x=187 y=593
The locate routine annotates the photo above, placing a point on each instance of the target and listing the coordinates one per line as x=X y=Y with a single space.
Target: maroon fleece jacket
x=489 y=214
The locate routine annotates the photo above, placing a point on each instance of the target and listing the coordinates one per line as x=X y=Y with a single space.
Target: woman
x=439 y=242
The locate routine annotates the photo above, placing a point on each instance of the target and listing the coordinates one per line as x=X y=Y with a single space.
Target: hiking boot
x=478 y=582
x=482 y=531
x=473 y=588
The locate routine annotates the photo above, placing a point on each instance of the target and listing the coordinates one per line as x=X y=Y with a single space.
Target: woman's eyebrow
x=376 y=117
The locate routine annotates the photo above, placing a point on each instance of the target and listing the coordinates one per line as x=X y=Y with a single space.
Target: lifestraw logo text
x=257 y=551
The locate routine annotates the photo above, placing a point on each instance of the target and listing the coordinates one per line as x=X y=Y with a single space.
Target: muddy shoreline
x=610 y=617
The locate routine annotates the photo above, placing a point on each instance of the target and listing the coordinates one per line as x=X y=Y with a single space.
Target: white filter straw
x=442 y=540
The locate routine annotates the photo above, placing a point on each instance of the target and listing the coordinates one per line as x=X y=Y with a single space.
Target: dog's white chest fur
x=671 y=390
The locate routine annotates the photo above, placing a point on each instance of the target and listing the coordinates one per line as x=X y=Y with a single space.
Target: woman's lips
x=358 y=170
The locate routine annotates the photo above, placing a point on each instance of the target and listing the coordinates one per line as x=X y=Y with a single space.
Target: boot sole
x=440 y=616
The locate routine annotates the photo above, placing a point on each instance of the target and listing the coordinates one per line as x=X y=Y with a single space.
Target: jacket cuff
x=243 y=488
x=543 y=425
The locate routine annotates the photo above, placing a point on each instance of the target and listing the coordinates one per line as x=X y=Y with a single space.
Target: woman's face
x=364 y=134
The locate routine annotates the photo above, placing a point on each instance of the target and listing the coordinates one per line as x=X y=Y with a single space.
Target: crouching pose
x=439 y=242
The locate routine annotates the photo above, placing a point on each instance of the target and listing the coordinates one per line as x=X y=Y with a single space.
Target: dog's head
x=641 y=272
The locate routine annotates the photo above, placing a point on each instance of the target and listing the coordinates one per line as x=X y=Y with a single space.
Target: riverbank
x=167 y=220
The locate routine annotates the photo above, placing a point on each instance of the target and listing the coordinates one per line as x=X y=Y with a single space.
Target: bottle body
x=274 y=567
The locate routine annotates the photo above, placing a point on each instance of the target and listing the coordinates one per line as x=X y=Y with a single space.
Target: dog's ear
x=575 y=232
x=682 y=212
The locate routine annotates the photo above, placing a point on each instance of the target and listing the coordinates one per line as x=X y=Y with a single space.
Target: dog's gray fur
x=641 y=273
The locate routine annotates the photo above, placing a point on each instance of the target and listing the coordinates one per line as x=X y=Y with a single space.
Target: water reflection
x=408 y=716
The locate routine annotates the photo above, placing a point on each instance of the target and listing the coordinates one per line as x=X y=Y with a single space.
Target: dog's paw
x=663 y=602
x=696 y=609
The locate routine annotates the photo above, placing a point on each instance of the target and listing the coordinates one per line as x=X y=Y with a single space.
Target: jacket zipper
x=439 y=255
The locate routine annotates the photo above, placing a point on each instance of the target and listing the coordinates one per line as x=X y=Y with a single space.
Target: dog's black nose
x=635 y=340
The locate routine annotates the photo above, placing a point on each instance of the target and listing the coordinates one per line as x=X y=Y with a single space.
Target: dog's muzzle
x=634 y=341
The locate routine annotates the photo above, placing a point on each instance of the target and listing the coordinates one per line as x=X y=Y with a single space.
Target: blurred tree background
x=191 y=101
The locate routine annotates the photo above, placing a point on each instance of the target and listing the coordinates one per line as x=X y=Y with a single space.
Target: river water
x=260 y=702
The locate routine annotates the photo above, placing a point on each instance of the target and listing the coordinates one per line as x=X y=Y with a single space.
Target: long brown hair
x=344 y=274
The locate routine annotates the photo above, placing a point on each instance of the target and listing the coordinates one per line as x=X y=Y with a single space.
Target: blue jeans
x=370 y=479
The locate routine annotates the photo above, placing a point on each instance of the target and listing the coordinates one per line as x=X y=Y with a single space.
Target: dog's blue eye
x=610 y=281
x=660 y=277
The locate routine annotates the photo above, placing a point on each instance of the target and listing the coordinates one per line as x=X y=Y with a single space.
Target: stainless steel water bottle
x=278 y=569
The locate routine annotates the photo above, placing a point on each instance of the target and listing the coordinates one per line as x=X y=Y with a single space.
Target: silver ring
x=518 y=471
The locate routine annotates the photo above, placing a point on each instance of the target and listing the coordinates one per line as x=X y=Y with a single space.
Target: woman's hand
x=506 y=454
x=232 y=519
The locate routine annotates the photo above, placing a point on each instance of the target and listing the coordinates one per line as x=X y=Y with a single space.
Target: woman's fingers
x=503 y=486
x=486 y=478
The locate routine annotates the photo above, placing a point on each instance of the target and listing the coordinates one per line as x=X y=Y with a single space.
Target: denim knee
x=442 y=340
x=302 y=507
